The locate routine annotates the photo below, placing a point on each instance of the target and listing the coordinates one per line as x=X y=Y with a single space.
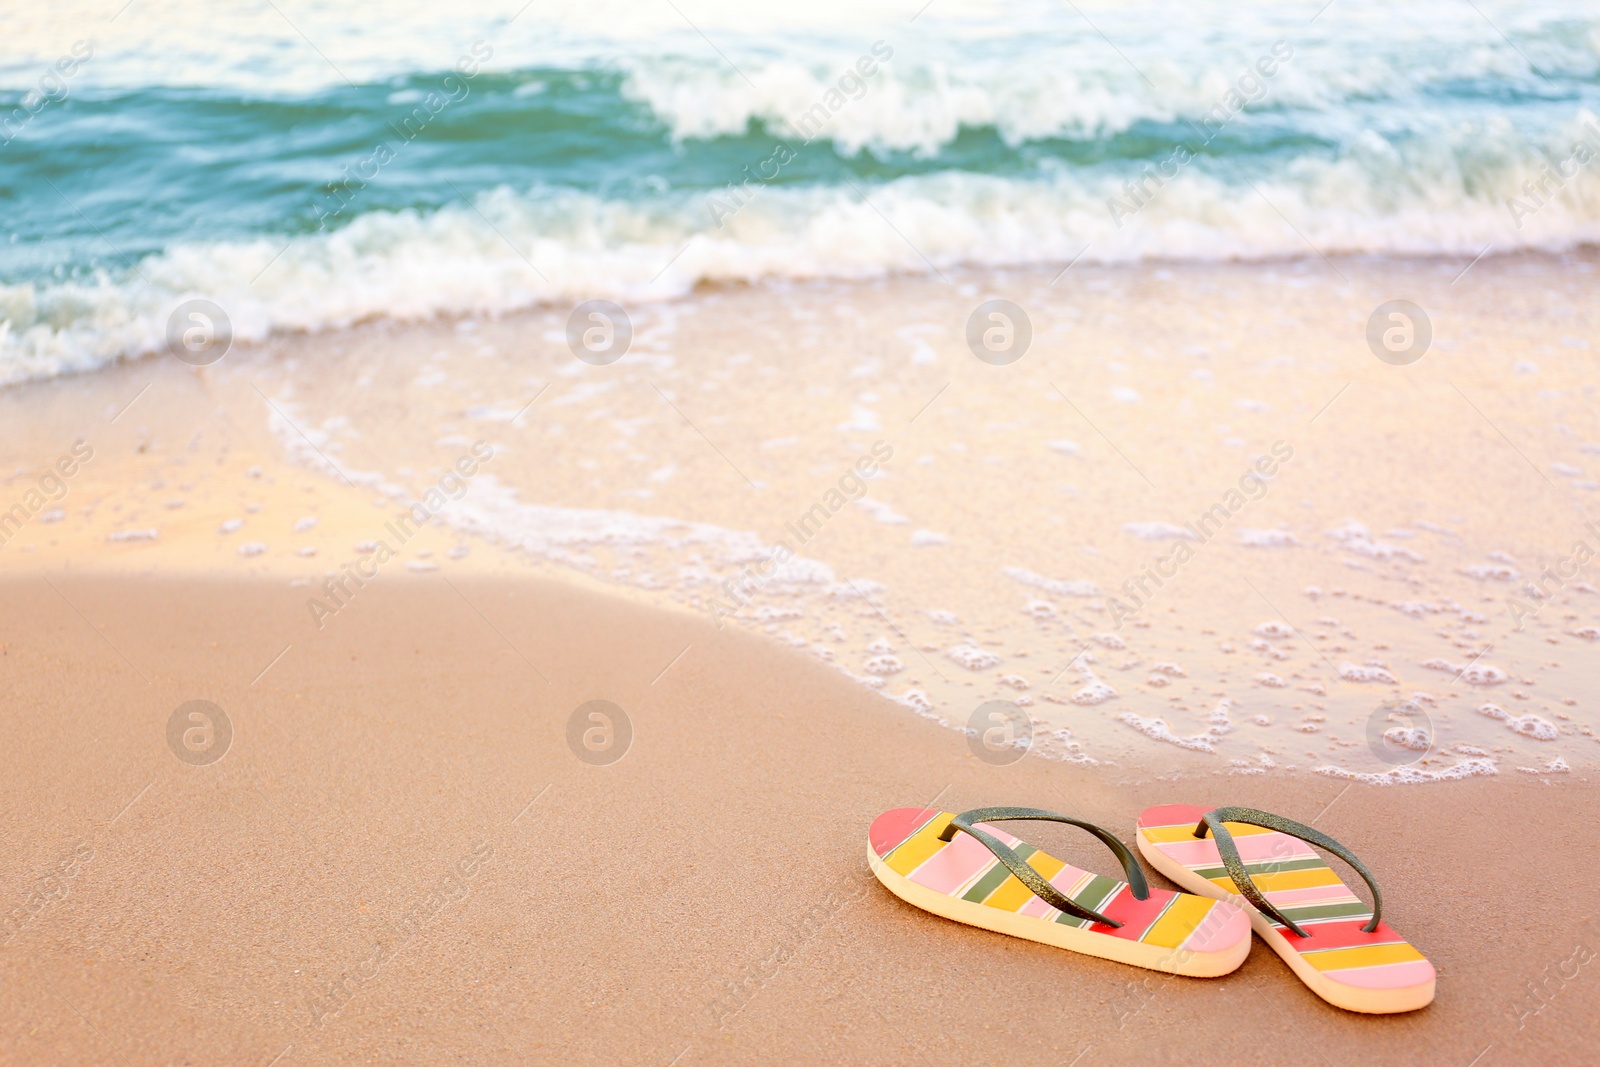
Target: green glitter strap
x=1229 y=851
x=1030 y=877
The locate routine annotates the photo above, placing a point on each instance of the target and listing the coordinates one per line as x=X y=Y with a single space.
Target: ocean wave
x=510 y=250
x=1037 y=75
x=921 y=99
x=316 y=44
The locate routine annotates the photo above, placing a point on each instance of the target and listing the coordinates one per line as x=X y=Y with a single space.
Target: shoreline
x=1585 y=253
x=991 y=557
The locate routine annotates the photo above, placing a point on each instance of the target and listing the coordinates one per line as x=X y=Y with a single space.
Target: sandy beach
x=496 y=499
x=398 y=858
x=402 y=854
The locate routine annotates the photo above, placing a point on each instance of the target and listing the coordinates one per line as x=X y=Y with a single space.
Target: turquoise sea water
x=306 y=169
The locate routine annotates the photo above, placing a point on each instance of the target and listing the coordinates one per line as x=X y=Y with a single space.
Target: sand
x=399 y=812
x=401 y=857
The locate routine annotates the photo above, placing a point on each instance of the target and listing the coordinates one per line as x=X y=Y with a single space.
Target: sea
x=309 y=165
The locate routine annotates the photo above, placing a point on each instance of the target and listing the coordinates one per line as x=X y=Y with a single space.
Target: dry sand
x=704 y=899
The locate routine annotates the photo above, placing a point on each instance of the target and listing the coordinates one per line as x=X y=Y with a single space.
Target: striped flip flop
x=962 y=868
x=1338 y=946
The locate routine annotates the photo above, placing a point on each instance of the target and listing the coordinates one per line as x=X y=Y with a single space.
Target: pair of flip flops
x=1242 y=868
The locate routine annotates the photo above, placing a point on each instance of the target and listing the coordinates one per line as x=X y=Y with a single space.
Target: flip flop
x=1338 y=946
x=962 y=868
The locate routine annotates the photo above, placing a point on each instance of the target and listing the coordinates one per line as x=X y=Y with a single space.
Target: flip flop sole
x=1376 y=973
x=1177 y=933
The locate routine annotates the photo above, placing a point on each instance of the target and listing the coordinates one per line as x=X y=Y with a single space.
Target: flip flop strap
x=1032 y=878
x=1229 y=851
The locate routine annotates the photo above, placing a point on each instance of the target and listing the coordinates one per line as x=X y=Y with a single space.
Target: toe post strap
x=967 y=820
x=1228 y=849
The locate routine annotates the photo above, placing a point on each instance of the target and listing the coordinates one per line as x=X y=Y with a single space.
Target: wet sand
x=399 y=815
x=1083 y=532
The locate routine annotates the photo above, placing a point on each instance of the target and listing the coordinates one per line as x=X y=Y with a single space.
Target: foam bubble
x=1042 y=610
x=1096 y=692
x=1479 y=674
x=1532 y=726
x=1159 y=531
x=1351 y=672
x=883 y=665
x=1485 y=572
x=1268 y=538
x=1354 y=537
x=971 y=657
x=1412 y=737
x=1218 y=720
x=773 y=614
x=1058 y=587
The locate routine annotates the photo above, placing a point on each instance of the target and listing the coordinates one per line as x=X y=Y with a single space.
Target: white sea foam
x=879 y=665
x=1094 y=692
x=1412 y=737
x=1268 y=538
x=1480 y=674
x=1158 y=531
x=1532 y=726
x=1157 y=729
x=1371 y=673
x=1058 y=586
x=1410 y=775
x=971 y=657
x=1354 y=537
x=410 y=266
x=1273 y=629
